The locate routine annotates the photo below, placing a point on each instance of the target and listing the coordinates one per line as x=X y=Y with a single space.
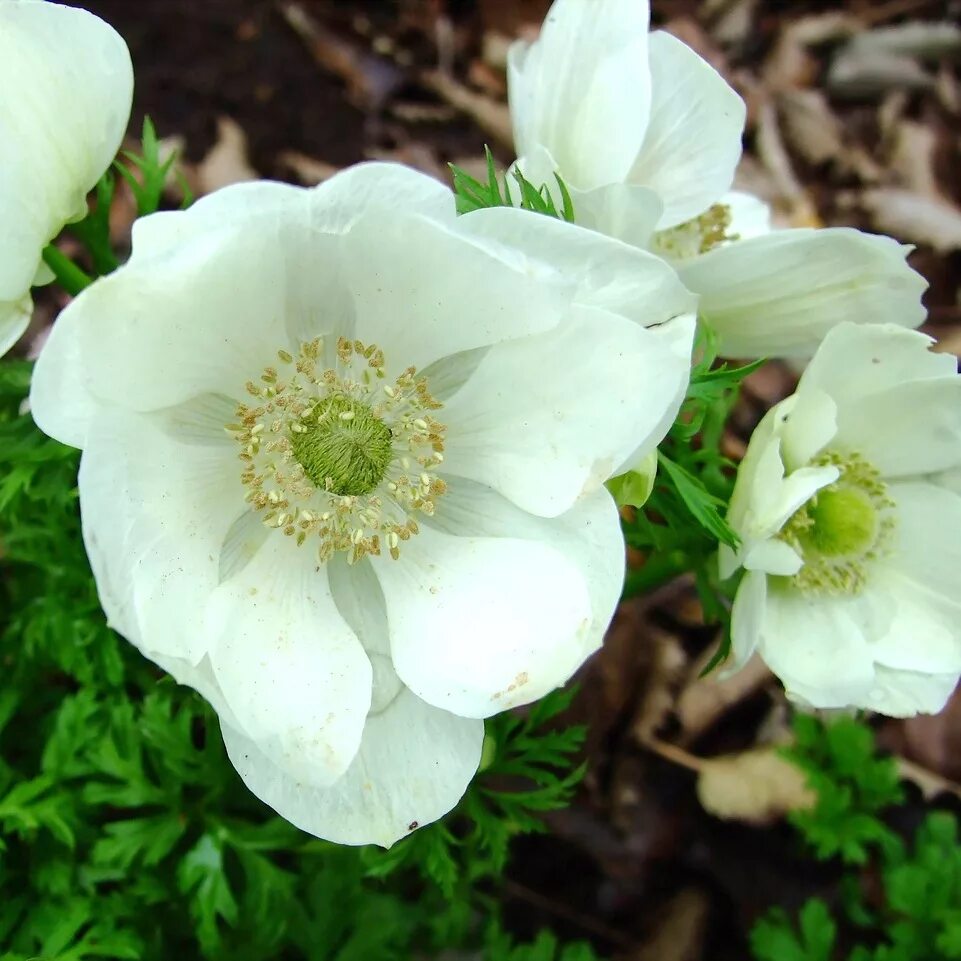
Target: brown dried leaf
x=681 y=927
x=867 y=73
x=704 y=699
x=810 y=125
x=914 y=38
x=490 y=115
x=913 y=217
x=758 y=787
x=931 y=784
x=912 y=158
x=310 y=171
x=734 y=25
x=227 y=162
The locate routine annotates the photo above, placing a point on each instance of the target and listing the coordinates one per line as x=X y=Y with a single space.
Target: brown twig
x=675 y=754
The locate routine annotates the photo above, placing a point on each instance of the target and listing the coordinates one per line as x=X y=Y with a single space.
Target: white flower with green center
x=647 y=136
x=66 y=83
x=849 y=515
x=343 y=467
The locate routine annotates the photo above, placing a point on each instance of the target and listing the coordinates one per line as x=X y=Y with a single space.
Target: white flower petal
x=335 y=204
x=589 y=534
x=414 y=323
x=413 y=765
x=608 y=273
x=68 y=83
x=926 y=547
x=169 y=229
x=750 y=216
x=583 y=89
x=757 y=459
x=546 y=420
x=693 y=140
x=361 y=188
x=14 y=319
x=949 y=479
x=677 y=336
x=747 y=616
x=906 y=693
x=291 y=670
x=817 y=647
x=246 y=261
x=774 y=497
x=772 y=557
x=811 y=425
x=155 y=514
x=478 y=625
x=778 y=295
x=908 y=430
x=923 y=632
x=625 y=212
x=856 y=360
x=138 y=343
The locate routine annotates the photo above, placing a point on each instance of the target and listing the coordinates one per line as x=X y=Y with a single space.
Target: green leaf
x=201 y=875
x=699 y=501
x=774 y=938
x=472 y=194
x=94 y=230
x=145 y=840
x=853 y=787
x=147 y=173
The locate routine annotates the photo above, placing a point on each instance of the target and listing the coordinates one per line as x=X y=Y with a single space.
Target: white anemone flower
x=850 y=528
x=647 y=137
x=67 y=84
x=343 y=466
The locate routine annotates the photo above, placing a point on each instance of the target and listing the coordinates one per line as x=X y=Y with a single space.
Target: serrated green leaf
x=699 y=501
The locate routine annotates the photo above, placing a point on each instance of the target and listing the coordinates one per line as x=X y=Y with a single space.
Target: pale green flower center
x=336 y=455
x=344 y=443
x=695 y=236
x=842 y=528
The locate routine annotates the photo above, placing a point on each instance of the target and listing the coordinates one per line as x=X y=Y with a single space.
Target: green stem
x=67 y=273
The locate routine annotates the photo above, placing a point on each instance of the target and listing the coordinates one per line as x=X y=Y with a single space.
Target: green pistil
x=845 y=522
x=841 y=528
x=342 y=446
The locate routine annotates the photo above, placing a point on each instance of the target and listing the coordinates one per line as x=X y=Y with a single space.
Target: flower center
x=695 y=236
x=842 y=528
x=337 y=455
x=342 y=441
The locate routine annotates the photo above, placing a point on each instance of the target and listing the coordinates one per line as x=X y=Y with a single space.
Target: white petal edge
x=778 y=295
x=548 y=419
x=604 y=272
x=817 y=647
x=293 y=673
x=857 y=360
x=155 y=513
x=693 y=141
x=14 y=320
x=584 y=83
x=412 y=767
x=480 y=624
x=589 y=535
